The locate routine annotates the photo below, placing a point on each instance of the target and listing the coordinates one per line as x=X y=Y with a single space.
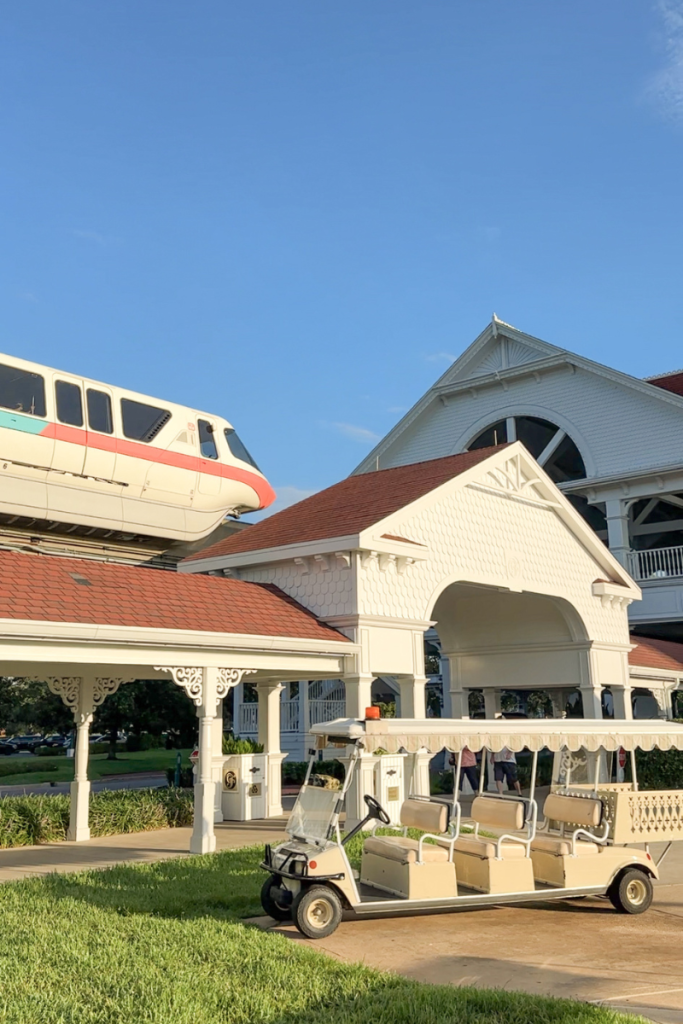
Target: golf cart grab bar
x=530 y=823
x=443 y=840
x=600 y=840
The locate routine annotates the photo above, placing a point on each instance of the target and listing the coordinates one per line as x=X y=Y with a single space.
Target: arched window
x=548 y=443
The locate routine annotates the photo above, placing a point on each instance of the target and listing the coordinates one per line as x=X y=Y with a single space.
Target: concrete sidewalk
x=131 y=780
x=132 y=848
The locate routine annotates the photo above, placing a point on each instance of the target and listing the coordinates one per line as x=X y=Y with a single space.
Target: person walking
x=468 y=768
x=505 y=768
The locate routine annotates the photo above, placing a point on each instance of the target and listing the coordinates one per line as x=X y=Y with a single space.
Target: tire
x=270 y=905
x=317 y=911
x=631 y=892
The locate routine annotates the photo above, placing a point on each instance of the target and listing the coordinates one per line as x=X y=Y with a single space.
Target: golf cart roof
x=413 y=734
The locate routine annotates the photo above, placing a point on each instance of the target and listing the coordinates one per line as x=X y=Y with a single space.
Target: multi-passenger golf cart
x=590 y=840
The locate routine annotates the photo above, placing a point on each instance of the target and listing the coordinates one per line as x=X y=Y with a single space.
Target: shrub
x=294 y=772
x=103 y=747
x=658 y=769
x=142 y=741
x=49 y=752
x=30 y=820
x=186 y=780
x=235 y=745
x=17 y=767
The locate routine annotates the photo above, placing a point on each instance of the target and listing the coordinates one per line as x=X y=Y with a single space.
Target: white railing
x=289 y=717
x=656 y=564
x=325 y=710
x=248 y=718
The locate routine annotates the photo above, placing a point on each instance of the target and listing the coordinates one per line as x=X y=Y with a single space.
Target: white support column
x=358 y=694
x=304 y=712
x=206 y=687
x=82 y=694
x=269 y=736
x=412 y=696
x=621 y=699
x=459 y=696
x=491 y=703
x=217 y=760
x=446 y=688
x=616 y=511
x=419 y=782
x=591 y=697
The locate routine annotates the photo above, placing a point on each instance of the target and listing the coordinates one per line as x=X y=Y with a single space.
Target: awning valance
x=433 y=734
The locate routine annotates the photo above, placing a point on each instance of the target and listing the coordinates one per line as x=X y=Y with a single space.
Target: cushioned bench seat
x=404 y=850
x=478 y=847
x=562 y=847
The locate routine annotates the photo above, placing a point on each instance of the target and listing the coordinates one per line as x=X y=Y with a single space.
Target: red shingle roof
x=669 y=382
x=56 y=589
x=349 y=506
x=650 y=653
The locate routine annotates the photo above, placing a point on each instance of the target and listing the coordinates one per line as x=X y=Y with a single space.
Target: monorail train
x=77 y=451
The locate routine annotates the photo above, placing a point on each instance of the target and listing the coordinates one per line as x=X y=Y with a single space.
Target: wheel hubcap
x=636 y=892
x=319 y=913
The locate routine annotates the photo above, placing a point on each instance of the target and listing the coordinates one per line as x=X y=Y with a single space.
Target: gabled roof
x=480 y=365
x=658 y=654
x=672 y=382
x=49 y=588
x=348 y=507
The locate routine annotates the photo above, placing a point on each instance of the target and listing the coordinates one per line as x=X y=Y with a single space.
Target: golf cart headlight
x=299 y=867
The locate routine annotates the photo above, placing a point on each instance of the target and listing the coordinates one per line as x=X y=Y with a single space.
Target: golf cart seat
x=410 y=867
x=555 y=852
x=495 y=864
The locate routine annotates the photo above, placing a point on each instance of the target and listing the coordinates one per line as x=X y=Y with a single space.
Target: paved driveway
x=581 y=949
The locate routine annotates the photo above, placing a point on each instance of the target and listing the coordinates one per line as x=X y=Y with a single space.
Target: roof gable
x=346 y=508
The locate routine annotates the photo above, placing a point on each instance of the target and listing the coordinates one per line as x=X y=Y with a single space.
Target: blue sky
x=294 y=214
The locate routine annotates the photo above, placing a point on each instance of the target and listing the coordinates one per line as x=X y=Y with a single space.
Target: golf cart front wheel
x=278 y=911
x=632 y=892
x=317 y=911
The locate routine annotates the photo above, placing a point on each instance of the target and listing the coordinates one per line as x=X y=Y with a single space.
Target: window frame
x=60 y=382
x=104 y=394
x=211 y=431
x=28 y=373
x=165 y=416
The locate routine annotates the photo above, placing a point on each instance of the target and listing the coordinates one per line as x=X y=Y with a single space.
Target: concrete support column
x=591 y=697
x=621 y=698
x=419 y=782
x=491 y=703
x=203 y=837
x=358 y=695
x=618 y=538
x=413 y=696
x=269 y=716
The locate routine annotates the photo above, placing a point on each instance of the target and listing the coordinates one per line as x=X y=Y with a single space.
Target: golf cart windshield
x=311 y=817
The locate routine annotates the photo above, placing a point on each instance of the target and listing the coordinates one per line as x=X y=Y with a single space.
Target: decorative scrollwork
x=105 y=686
x=229 y=677
x=66 y=687
x=191 y=680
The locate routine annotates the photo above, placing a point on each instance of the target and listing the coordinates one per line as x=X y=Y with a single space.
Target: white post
x=305 y=713
x=358 y=695
x=491 y=703
x=217 y=761
x=621 y=699
x=237 y=701
x=269 y=736
x=616 y=511
x=203 y=837
x=591 y=697
x=419 y=783
x=413 y=696
x=79 y=810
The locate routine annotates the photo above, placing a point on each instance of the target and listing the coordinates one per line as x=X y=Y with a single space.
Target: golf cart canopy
x=433 y=734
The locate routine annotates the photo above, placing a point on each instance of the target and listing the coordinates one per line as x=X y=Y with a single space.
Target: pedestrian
x=468 y=768
x=505 y=767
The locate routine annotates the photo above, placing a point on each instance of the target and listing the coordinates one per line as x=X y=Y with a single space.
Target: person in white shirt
x=505 y=767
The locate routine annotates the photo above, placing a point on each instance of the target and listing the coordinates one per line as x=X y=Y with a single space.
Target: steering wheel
x=376 y=809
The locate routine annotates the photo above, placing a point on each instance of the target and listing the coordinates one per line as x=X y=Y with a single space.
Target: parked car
x=7 y=747
x=55 y=741
x=28 y=742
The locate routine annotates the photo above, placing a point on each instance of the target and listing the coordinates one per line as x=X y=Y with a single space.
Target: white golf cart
x=590 y=840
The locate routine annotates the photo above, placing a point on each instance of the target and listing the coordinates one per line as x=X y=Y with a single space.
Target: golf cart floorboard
x=368 y=894
x=376 y=901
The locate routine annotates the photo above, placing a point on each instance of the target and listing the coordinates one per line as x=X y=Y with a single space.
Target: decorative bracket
x=192 y=680
x=229 y=677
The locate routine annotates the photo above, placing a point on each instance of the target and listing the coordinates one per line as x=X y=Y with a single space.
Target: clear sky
x=294 y=213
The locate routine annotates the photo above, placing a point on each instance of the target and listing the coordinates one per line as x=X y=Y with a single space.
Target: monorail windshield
x=237 y=447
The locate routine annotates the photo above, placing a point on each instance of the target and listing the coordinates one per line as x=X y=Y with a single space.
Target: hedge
x=26 y=767
x=31 y=820
x=294 y=772
x=658 y=769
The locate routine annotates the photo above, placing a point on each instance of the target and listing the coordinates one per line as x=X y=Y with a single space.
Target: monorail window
x=99 y=411
x=22 y=391
x=69 y=403
x=207 y=442
x=142 y=422
x=237 y=448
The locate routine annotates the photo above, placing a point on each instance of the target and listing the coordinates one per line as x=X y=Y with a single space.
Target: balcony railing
x=656 y=564
x=325 y=710
x=289 y=717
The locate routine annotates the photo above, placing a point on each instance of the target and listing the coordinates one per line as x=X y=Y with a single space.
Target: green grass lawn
x=99 y=767
x=164 y=944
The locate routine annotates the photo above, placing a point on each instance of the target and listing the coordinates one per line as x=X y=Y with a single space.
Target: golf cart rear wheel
x=631 y=893
x=317 y=911
x=270 y=905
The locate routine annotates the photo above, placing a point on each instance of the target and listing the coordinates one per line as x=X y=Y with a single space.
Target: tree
x=26 y=705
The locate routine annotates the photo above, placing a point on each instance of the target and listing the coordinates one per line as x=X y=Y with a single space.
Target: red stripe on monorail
x=137 y=450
